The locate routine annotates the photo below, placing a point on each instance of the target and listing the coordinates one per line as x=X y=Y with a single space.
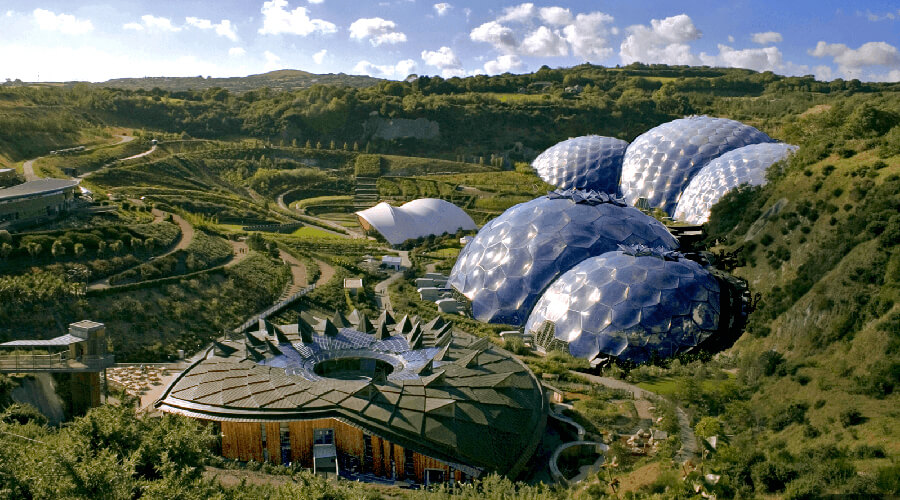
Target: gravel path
x=689 y=447
x=187 y=236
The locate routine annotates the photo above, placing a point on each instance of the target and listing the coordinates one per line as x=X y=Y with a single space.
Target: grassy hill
x=285 y=79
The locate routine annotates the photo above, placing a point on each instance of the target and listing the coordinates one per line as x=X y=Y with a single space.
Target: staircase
x=366 y=192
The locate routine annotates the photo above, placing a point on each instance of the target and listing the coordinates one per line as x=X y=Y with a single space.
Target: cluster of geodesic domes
x=600 y=273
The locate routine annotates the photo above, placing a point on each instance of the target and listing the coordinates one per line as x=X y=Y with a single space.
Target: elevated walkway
x=59 y=363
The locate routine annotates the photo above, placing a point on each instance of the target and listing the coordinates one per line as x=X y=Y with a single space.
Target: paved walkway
x=28 y=166
x=298 y=274
x=185 y=239
x=381 y=292
x=689 y=447
x=338 y=229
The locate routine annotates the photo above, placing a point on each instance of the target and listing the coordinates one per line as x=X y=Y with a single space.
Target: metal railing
x=21 y=363
x=274 y=309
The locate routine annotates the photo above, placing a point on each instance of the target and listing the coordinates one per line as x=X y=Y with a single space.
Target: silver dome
x=586 y=162
x=635 y=303
x=514 y=257
x=659 y=164
x=746 y=165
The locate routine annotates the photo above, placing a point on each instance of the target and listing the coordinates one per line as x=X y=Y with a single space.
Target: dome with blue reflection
x=635 y=304
x=746 y=165
x=660 y=163
x=514 y=257
x=586 y=162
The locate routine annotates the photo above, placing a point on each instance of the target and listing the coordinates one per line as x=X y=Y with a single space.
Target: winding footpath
x=184 y=240
x=28 y=166
x=689 y=446
x=338 y=229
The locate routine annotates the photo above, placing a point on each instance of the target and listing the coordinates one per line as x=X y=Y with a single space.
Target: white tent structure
x=415 y=219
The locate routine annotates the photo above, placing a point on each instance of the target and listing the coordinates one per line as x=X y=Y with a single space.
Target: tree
x=34 y=249
x=5 y=250
x=101 y=248
x=308 y=144
x=79 y=250
x=708 y=427
x=5 y=237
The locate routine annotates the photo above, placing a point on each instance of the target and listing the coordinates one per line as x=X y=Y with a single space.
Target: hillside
x=804 y=404
x=285 y=79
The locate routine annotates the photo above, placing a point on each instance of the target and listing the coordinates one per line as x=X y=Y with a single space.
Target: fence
x=21 y=363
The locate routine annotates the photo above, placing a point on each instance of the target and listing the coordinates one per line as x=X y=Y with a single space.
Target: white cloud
x=316 y=1
x=278 y=20
x=584 y=35
x=396 y=71
x=874 y=17
x=377 y=30
x=556 y=16
x=496 y=34
x=730 y=39
x=319 y=56
x=222 y=28
x=64 y=23
x=587 y=35
x=852 y=63
x=445 y=60
x=442 y=8
x=236 y=51
x=519 y=13
x=544 y=43
x=503 y=64
x=664 y=41
x=273 y=62
x=133 y=26
x=9 y=13
x=764 y=59
x=152 y=22
x=767 y=38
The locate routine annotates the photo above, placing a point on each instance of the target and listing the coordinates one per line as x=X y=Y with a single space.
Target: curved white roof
x=416 y=219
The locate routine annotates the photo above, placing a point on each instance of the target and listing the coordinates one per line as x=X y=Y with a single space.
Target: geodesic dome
x=514 y=257
x=586 y=162
x=659 y=164
x=633 y=303
x=746 y=165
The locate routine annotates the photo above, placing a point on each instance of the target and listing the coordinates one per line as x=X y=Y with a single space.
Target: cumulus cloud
x=764 y=59
x=319 y=56
x=396 y=71
x=587 y=35
x=442 y=8
x=445 y=60
x=272 y=61
x=222 y=28
x=504 y=64
x=664 y=41
x=875 y=17
x=278 y=20
x=766 y=38
x=316 y=1
x=496 y=34
x=519 y=13
x=63 y=23
x=159 y=23
x=377 y=30
x=236 y=51
x=853 y=63
x=556 y=16
x=558 y=33
x=544 y=43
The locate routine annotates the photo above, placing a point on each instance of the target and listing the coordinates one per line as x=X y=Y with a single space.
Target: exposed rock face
x=398 y=128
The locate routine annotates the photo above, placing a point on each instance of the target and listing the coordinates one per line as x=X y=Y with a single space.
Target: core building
x=35 y=201
x=403 y=401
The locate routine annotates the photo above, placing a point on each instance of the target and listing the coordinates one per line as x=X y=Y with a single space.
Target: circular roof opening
x=353 y=368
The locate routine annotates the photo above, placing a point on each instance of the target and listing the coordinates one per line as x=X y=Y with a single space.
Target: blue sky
x=52 y=40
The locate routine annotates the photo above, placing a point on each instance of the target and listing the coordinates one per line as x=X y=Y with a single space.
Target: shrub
x=850 y=417
x=368 y=165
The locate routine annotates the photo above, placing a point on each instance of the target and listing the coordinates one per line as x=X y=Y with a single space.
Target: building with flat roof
x=33 y=202
x=404 y=401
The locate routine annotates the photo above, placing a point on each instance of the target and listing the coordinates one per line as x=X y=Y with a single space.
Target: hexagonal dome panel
x=514 y=257
x=659 y=164
x=630 y=316
x=586 y=162
x=746 y=165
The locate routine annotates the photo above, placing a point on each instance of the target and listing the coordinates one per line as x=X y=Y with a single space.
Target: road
x=689 y=447
x=28 y=166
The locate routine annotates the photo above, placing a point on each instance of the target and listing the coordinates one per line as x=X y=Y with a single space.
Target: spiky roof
x=451 y=396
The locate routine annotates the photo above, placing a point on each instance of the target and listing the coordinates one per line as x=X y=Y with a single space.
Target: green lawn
x=313 y=233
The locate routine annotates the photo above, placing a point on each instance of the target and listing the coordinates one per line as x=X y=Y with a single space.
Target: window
x=323 y=436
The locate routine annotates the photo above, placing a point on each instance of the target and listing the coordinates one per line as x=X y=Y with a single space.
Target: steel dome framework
x=746 y=165
x=634 y=304
x=660 y=163
x=586 y=162
x=509 y=263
